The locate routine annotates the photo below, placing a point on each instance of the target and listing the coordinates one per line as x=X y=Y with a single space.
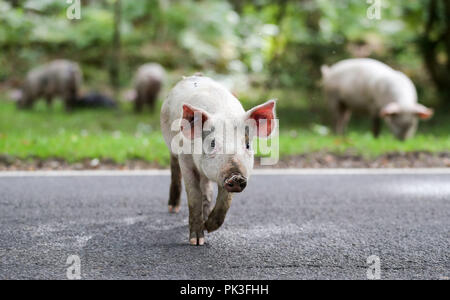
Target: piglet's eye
x=213 y=143
x=247 y=145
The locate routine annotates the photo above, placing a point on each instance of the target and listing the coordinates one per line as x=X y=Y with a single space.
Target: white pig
x=368 y=85
x=200 y=102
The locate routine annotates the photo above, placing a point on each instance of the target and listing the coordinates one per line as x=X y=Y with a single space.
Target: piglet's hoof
x=197 y=237
x=197 y=241
x=174 y=209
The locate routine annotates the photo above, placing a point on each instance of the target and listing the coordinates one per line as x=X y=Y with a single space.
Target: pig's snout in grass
x=236 y=183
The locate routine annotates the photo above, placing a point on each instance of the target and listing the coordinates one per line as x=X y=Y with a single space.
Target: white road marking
x=379 y=171
x=82 y=240
x=353 y=171
x=134 y=220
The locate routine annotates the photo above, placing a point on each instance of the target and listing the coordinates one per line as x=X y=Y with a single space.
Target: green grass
x=122 y=135
x=303 y=122
x=53 y=133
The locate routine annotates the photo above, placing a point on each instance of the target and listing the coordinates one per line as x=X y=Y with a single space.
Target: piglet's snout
x=236 y=183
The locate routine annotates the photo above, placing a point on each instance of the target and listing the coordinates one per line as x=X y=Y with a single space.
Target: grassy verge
x=116 y=135
x=122 y=135
x=304 y=129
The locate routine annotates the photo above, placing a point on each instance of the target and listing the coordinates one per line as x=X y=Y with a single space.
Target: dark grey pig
x=148 y=82
x=57 y=78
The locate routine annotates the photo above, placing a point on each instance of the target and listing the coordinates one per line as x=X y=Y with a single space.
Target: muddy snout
x=236 y=183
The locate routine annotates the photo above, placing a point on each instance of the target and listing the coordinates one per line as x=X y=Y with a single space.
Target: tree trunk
x=15 y=3
x=430 y=45
x=115 y=59
x=447 y=34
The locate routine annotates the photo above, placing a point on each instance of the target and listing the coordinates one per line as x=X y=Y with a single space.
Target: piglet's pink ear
x=192 y=118
x=423 y=112
x=390 y=109
x=264 y=116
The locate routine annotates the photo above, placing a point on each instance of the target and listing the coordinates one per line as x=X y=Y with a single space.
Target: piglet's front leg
x=195 y=203
x=217 y=216
x=196 y=227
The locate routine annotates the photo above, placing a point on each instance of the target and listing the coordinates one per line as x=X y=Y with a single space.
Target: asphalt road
x=316 y=226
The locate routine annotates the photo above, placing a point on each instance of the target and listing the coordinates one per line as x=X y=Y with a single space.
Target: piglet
x=372 y=87
x=209 y=136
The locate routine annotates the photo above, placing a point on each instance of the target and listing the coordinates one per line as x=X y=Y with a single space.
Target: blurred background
x=259 y=49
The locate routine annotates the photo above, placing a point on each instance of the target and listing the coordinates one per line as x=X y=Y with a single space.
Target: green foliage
x=270 y=49
x=280 y=43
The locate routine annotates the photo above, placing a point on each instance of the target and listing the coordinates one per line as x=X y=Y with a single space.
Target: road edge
x=166 y=172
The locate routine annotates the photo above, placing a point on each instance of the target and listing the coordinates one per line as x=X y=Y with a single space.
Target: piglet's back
x=201 y=92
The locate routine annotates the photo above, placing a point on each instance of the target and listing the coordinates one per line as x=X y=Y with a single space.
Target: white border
x=166 y=172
